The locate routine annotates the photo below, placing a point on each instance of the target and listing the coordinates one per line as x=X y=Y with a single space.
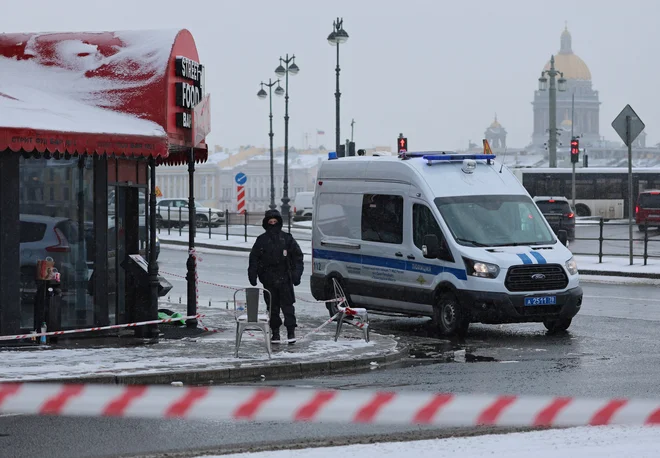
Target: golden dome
x=495 y=124
x=568 y=63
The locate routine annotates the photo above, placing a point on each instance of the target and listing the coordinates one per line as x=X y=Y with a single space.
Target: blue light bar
x=332 y=155
x=457 y=157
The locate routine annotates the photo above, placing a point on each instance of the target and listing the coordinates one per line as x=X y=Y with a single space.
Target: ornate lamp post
x=262 y=94
x=337 y=37
x=552 y=73
x=283 y=71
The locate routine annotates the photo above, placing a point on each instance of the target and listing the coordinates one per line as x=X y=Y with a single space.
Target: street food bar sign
x=188 y=94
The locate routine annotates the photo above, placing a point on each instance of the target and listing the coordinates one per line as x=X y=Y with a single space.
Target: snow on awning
x=107 y=93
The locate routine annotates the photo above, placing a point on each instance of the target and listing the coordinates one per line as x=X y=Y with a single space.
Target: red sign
x=201 y=120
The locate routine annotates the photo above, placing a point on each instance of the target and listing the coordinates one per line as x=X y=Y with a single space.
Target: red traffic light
x=575 y=147
x=403 y=144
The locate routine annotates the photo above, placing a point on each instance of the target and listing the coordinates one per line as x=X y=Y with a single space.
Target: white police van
x=454 y=237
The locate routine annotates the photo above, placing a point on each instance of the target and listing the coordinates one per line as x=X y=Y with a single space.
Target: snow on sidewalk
x=595 y=441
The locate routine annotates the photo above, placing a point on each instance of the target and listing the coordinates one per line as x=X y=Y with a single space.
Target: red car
x=647 y=211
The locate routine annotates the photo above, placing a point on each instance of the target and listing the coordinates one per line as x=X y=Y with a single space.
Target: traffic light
x=342 y=151
x=402 y=143
x=575 y=150
x=351 y=148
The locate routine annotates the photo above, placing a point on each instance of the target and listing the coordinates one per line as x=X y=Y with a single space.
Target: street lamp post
x=552 y=73
x=337 y=37
x=283 y=71
x=262 y=94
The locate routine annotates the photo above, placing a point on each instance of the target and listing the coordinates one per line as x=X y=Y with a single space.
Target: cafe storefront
x=85 y=120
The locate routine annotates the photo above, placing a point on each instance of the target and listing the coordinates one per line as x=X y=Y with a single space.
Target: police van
x=450 y=236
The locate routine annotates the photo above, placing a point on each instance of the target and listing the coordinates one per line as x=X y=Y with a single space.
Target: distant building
x=586 y=117
x=496 y=135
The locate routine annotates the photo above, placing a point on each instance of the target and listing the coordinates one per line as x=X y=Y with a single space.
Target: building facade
x=586 y=115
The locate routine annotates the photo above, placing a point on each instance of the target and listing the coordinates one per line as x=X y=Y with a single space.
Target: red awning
x=106 y=93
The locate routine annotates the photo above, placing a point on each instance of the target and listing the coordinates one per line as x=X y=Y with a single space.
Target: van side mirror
x=431 y=246
x=562 y=235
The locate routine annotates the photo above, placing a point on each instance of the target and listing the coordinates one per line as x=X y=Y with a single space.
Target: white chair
x=249 y=318
x=360 y=317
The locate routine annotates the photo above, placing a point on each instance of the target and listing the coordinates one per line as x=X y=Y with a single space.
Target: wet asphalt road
x=612 y=349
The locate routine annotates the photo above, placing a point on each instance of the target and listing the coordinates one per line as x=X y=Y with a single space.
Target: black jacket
x=276 y=258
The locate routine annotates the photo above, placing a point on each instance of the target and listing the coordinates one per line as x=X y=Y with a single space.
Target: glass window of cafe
x=57 y=222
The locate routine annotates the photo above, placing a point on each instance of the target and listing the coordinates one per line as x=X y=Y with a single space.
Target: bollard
x=180 y=221
x=245 y=221
x=169 y=220
x=209 y=220
x=289 y=223
x=209 y=302
x=646 y=243
x=601 y=223
x=227 y=223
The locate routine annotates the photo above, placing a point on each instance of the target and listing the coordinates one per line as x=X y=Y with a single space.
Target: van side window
x=424 y=223
x=382 y=218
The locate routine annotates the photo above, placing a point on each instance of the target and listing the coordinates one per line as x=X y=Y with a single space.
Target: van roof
x=441 y=177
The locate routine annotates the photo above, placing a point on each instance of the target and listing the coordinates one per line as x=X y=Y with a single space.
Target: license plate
x=545 y=300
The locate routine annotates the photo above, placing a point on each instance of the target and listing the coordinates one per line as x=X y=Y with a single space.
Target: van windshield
x=498 y=220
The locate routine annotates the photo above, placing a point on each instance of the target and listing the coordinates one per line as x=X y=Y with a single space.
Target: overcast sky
x=435 y=70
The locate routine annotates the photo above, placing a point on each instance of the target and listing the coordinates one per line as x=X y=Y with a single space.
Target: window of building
x=382 y=218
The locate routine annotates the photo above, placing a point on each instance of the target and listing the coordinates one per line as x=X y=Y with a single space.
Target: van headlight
x=481 y=269
x=571 y=266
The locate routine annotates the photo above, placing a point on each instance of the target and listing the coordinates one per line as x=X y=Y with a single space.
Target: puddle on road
x=447 y=352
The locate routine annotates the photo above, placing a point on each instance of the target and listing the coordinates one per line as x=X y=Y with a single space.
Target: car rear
x=647 y=211
x=559 y=215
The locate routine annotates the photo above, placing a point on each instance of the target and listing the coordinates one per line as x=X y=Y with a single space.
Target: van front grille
x=545 y=277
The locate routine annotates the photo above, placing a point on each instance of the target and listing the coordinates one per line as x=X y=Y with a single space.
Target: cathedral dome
x=569 y=63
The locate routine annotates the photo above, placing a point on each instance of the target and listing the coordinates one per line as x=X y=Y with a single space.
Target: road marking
x=623 y=298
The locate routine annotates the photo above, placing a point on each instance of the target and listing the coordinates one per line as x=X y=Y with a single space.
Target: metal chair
x=360 y=317
x=250 y=318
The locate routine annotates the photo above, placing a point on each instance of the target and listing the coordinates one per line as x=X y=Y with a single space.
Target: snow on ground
x=595 y=441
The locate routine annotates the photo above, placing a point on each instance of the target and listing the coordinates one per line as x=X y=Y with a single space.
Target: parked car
x=558 y=212
x=172 y=212
x=647 y=211
x=45 y=236
x=303 y=206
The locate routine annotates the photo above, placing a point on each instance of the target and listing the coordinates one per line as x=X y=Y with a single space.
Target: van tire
x=449 y=317
x=559 y=325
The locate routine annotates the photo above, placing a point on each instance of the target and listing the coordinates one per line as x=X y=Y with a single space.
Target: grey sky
x=434 y=70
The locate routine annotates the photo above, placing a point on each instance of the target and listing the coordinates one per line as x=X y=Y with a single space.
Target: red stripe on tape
x=493 y=412
x=604 y=415
x=118 y=406
x=181 y=407
x=248 y=410
x=428 y=412
x=367 y=413
x=546 y=416
x=56 y=404
x=312 y=408
x=8 y=390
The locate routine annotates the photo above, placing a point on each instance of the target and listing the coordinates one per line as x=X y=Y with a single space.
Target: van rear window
x=649 y=201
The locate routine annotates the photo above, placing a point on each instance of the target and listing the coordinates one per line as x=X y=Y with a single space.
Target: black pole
x=152 y=329
x=192 y=227
x=285 y=191
x=337 y=96
x=270 y=134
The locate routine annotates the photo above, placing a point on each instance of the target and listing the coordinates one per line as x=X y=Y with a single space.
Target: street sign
x=636 y=125
x=201 y=125
x=240 y=178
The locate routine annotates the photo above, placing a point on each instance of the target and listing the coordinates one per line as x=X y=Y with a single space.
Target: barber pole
x=240 y=179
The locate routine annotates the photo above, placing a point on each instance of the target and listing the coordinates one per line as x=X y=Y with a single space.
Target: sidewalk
x=207 y=358
x=612 y=269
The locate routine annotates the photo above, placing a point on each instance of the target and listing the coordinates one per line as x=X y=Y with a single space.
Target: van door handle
x=410 y=256
x=399 y=254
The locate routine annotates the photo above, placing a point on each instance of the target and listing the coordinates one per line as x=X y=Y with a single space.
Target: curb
x=205 y=245
x=248 y=373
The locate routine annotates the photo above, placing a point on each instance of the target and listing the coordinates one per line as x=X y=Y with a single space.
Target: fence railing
x=207 y=221
x=602 y=239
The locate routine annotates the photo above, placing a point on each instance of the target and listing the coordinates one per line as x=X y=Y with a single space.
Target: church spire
x=566 y=47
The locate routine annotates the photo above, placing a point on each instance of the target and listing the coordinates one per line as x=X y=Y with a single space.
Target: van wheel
x=560 y=325
x=449 y=317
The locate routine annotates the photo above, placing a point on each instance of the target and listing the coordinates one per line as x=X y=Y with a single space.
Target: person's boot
x=291 y=335
x=275 y=336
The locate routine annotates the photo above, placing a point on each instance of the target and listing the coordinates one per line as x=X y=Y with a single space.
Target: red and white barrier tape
x=345 y=406
x=99 y=328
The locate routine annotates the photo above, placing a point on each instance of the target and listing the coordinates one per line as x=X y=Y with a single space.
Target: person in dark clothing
x=277 y=261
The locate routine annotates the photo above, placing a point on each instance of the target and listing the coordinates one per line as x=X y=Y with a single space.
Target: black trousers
x=281 y=300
